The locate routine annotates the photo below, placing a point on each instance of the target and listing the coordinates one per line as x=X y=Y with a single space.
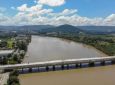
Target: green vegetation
x=20 y=47
x=16 y=57
x=7 y=43
x=10 y=43
x=13 y=78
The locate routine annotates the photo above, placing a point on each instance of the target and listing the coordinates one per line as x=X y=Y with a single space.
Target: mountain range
x=63 y=28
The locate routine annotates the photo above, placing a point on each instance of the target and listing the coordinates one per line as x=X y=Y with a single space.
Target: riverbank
x=87 y=45
x=104 y=43
x=86 y=76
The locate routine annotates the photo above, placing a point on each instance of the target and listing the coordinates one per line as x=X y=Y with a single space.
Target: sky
x=57 y=12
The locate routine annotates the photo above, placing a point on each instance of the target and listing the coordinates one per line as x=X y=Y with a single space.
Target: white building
x=5 y=53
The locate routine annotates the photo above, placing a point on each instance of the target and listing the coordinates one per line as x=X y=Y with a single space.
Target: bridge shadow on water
x=60 y=67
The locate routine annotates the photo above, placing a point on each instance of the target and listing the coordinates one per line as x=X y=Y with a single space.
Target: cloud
x=3 y=19
x=22 y=8
x=110 y=19
x=38 y=14
x=47 y=16
x=66 y=12
x=52 y=2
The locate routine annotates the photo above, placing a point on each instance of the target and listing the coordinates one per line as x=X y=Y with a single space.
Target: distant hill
x=26 y=27
x=63 y=29
x=98 y=29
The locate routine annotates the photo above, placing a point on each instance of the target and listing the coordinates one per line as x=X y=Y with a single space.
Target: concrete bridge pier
x=80 y=65
x=53 y=67
x=47 y=68
x=76 y=65
x=113 y=61
x=62 y=67
x=103 y=63
x=30 y=70
x=91 y=64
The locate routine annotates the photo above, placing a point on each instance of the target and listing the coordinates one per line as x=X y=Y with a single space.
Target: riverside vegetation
x=16 y=57
x=104 y=43
x=102 y=40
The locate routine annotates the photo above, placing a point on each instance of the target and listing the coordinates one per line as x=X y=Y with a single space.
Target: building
x=5 y=53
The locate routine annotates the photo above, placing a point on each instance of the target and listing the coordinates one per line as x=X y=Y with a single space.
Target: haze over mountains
x=63 y=28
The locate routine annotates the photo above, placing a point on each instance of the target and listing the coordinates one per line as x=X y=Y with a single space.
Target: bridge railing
x=58 y=62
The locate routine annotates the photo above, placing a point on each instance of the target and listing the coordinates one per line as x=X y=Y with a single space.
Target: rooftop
x=6 y=51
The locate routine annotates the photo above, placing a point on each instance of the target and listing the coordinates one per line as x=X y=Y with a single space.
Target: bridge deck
x=58 y=62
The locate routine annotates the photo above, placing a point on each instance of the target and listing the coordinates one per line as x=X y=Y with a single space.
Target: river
x=87 y=76
x=49 y=48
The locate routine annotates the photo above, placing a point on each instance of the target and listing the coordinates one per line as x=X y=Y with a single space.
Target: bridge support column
x=76 y=65
x=62 y=67
x=113 y=61
x=53 y=67
x=30 y=70
x=47 y=68
x=102 y=63
x=91 y=64
x=80 y=65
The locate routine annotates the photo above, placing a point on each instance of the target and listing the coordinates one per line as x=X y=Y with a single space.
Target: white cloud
x=69 y=11
x=52 y=2
x=25 y=8
x=65 y=12
x=22 y=8
x=110 y=19
x=37 y=14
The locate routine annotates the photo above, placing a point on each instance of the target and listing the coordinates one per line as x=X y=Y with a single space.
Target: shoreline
x=82 y=44
x=87 y=45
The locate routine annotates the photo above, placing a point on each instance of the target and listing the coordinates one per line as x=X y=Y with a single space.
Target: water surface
x=49 y=48
x=87 y=76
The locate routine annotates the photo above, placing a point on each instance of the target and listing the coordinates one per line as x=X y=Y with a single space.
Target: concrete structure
x=77 y=62
x=5 y=53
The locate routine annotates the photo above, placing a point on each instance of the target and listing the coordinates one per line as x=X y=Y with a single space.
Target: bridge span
x=77 y=62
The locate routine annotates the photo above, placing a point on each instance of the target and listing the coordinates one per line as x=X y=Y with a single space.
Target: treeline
x=13 y=78
x=17 y=57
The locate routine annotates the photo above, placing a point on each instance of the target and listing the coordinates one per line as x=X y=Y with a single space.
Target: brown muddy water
x=49 y=48
x=86 y=76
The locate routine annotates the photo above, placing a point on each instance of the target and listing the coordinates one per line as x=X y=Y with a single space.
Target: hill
x=63 y=29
